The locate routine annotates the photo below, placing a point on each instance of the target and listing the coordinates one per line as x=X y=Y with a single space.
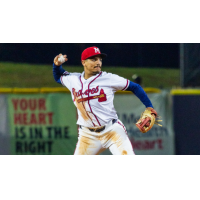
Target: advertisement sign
x=159 y=140
x=42 y=124
x=4 y=136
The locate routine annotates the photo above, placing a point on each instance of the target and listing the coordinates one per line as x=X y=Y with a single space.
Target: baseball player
x=92 y=93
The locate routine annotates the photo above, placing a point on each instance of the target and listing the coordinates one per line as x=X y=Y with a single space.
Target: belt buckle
x=100 y=129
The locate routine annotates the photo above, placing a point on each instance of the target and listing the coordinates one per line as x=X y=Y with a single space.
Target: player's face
x=93 y=65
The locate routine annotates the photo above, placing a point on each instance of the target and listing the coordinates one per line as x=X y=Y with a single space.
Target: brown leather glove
x=147 y=120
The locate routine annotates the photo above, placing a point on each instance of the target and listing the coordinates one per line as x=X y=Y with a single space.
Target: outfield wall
x=42 y=121
x=186 y=107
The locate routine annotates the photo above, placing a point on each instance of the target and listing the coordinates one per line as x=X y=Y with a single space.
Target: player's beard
x=97 y=72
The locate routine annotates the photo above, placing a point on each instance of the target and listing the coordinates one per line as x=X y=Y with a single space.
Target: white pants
x=114 y=137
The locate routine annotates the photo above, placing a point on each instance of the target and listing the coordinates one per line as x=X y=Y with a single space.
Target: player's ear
x=83 y=62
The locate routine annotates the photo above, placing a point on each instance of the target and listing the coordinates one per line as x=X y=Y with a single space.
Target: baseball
x=61 y=59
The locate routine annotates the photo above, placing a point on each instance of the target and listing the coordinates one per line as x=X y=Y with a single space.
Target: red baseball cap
x=90 y=52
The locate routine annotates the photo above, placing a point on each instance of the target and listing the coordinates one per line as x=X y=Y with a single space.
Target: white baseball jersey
x=94 y=97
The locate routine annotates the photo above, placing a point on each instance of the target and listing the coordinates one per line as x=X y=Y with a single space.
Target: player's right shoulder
x=68 y=78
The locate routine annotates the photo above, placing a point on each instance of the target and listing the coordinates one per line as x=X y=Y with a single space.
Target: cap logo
x=97 y=50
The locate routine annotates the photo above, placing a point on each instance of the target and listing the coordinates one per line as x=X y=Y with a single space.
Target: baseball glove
x=147 y=120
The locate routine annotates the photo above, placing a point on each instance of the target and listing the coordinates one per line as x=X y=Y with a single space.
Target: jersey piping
x=126 y=85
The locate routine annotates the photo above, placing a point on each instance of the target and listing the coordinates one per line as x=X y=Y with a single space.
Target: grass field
x=30 y=76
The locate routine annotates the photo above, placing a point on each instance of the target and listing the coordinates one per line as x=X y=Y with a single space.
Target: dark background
x=119 y=54
x=186 y=125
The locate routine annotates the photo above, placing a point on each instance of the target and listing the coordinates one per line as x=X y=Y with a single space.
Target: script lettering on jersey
x=101 y=97
x=87 y=92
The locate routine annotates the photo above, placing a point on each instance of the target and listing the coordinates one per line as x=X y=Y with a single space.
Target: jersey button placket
x=89 y=100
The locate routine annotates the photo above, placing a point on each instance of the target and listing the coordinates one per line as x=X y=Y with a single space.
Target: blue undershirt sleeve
x=140 y=93
x=57 y=72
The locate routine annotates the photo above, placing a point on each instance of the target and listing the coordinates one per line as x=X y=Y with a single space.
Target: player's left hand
x=147 y=120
